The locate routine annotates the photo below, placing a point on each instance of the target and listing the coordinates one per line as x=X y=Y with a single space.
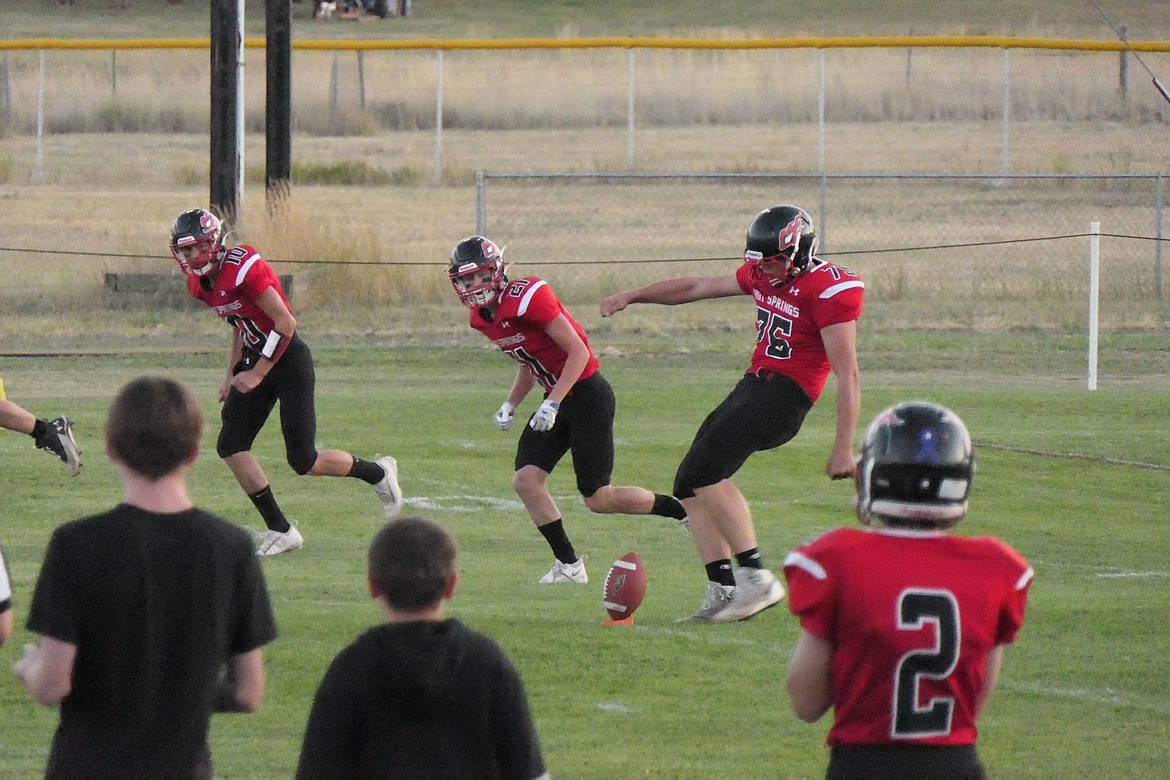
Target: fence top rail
x=816 y=176
x=860 y=42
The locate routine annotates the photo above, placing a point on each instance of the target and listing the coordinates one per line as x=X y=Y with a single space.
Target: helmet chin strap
x=218 y=256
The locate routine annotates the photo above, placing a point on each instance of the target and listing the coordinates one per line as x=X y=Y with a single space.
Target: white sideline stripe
x=1106 y=697
x=1133 y=574
x=465 y=503
x=617 y=709
x=1100 y=572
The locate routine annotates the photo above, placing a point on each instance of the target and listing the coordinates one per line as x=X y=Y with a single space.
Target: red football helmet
x=477 y=271
x=197 y=242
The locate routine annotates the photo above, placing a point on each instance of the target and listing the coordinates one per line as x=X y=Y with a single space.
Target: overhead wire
x=594 y=262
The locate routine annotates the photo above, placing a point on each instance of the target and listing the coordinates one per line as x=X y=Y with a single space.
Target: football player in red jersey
x=525 y=319
x=269 y=363
x=806 y=325
x=902 y=624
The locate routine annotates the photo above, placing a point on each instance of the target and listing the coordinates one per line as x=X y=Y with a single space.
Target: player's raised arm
x=671 y=292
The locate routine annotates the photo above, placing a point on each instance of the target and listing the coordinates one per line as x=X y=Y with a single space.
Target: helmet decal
x=927 y=449
x=489 y=249
x=790 y=237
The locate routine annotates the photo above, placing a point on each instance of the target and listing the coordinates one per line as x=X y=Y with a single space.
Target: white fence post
x=1094 y=293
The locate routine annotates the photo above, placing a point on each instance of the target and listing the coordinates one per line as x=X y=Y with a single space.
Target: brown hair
x=154 y=426
x=410 y=561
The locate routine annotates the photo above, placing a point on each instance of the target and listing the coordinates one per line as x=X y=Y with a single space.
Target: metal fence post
x=5 y=92
x=1004 y=165
x=438 y=175
x=1123 y=69
x=361 y=80
x=821 y=111
x=1159 y=189
x=480 y=204
x=333 y=83
x=630 y=86
x=39 y=171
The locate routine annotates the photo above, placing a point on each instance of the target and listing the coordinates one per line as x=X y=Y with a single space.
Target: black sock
x=720 y=572
x=750 y=559
x=39 y=428
x=269 y=510
x=367 y=471
x=668 y=506
x=554 y=534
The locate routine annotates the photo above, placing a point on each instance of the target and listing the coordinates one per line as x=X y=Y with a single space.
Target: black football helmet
x=477 y=271
x=916 y=467
x=197 y=242
x=784 y=233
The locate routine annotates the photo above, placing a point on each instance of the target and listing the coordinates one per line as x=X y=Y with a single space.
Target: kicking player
x=806 y=325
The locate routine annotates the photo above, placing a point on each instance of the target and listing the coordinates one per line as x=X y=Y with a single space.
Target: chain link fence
x=973 y=173
x=937 y=250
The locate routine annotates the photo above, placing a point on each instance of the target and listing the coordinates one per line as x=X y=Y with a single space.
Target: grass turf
x=1083 y=692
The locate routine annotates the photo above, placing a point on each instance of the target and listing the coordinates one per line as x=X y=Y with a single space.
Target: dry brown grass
x=117 y=193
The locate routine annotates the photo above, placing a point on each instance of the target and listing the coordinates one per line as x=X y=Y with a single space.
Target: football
x=625 y=585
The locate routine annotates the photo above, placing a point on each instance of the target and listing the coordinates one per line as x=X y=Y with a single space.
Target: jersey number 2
x=916 y=608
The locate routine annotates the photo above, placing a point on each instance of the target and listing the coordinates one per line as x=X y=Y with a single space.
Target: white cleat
x=389 y=493
x=275 y=542
x=717 y=599
x=566 y=572
x=755 y=591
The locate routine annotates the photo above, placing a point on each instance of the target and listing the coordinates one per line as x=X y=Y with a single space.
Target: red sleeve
x=841 y=299
x=539 y=305
x=811 y=595
x=743 y=275
x=1019 y=577
x=250 y=273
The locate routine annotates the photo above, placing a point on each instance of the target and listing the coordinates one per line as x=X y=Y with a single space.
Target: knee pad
x=226 y=446
x=694 y=472
x=302 y=462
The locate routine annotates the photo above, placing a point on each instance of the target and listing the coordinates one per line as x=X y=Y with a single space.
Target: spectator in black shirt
x=138 y=610
x=419 y=696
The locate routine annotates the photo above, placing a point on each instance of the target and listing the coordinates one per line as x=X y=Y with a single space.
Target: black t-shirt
x=156 y=604
x=426 y=699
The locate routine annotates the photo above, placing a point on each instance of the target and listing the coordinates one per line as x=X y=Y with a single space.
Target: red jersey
x=243 y=276
x=911 y=616
x=526 y=307
x=789 y=319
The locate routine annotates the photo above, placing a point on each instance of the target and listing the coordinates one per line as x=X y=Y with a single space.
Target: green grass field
x=1075 y=480
x=1084 y=692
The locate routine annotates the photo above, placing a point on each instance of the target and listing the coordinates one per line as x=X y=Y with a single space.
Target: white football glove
x=505 y=417
x=545 y=417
